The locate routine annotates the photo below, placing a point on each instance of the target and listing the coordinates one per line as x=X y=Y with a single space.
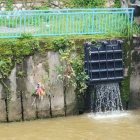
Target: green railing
x=64 y=21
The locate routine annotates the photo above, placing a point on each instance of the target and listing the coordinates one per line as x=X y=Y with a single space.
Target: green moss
x=117 y=4
x=45 y=6
x=13 y=51
x=125 y=89
x=87 y=3
x=125 y=83
x=127 y=53
x=20 y=74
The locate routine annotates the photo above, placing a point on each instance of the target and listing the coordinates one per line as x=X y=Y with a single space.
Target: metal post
x=24 y=15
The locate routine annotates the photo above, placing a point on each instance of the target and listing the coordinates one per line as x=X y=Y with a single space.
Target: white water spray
x=108 y=97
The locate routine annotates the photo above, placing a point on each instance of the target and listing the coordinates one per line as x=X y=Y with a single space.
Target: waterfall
x=108 y=97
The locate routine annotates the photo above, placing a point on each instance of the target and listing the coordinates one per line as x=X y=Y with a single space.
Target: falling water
x=108 y=97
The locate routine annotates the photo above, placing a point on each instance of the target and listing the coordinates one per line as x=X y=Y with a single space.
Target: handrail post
x=67 y=22
x=21 y=14
x=92 y=20
x=24 y=18
x=132 y=12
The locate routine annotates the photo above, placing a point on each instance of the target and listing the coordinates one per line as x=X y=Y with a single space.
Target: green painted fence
x=64 y=21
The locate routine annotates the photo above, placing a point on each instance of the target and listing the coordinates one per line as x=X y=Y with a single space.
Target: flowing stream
x=118 y=126
x=108 y=97
x=110 y=122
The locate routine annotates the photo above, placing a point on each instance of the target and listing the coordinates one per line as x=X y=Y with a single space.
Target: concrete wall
x=36 y=69
x=135 y=75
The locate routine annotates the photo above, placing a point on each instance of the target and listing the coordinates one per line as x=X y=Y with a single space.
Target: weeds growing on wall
x=70 y=71
x=129 y=31
x=117 y=4
x=81 y=78
x=125 y=83
x=9 y=4
x=42 y=7
x=88 y=3
x=66 y=75
x=62 y=44
x=13 y=52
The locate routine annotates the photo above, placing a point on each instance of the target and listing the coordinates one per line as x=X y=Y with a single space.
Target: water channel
x=116 y=126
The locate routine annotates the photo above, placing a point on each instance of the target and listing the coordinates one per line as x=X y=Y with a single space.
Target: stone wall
x=36 y=69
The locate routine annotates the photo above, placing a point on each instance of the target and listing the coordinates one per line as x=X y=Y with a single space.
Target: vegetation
x=13 y=52
x=117 y=4
x=128 y=31
x=81 y=78
x=70 y=71
x=88 y=3
x=9 y=4
x=44 y=6
x=125 y=84
x=66 y=75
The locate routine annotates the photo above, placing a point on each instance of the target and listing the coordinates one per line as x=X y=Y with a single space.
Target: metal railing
x=64 y=21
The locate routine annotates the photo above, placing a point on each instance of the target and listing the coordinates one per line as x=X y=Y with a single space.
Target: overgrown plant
x=61 y=44
x=129 y=30
x=117 y=4
x=88 y=3
x=44 y=6
x=80 y=78
x=65 y=74
x=9 y=4
x=70 y=71
x=125 y=83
